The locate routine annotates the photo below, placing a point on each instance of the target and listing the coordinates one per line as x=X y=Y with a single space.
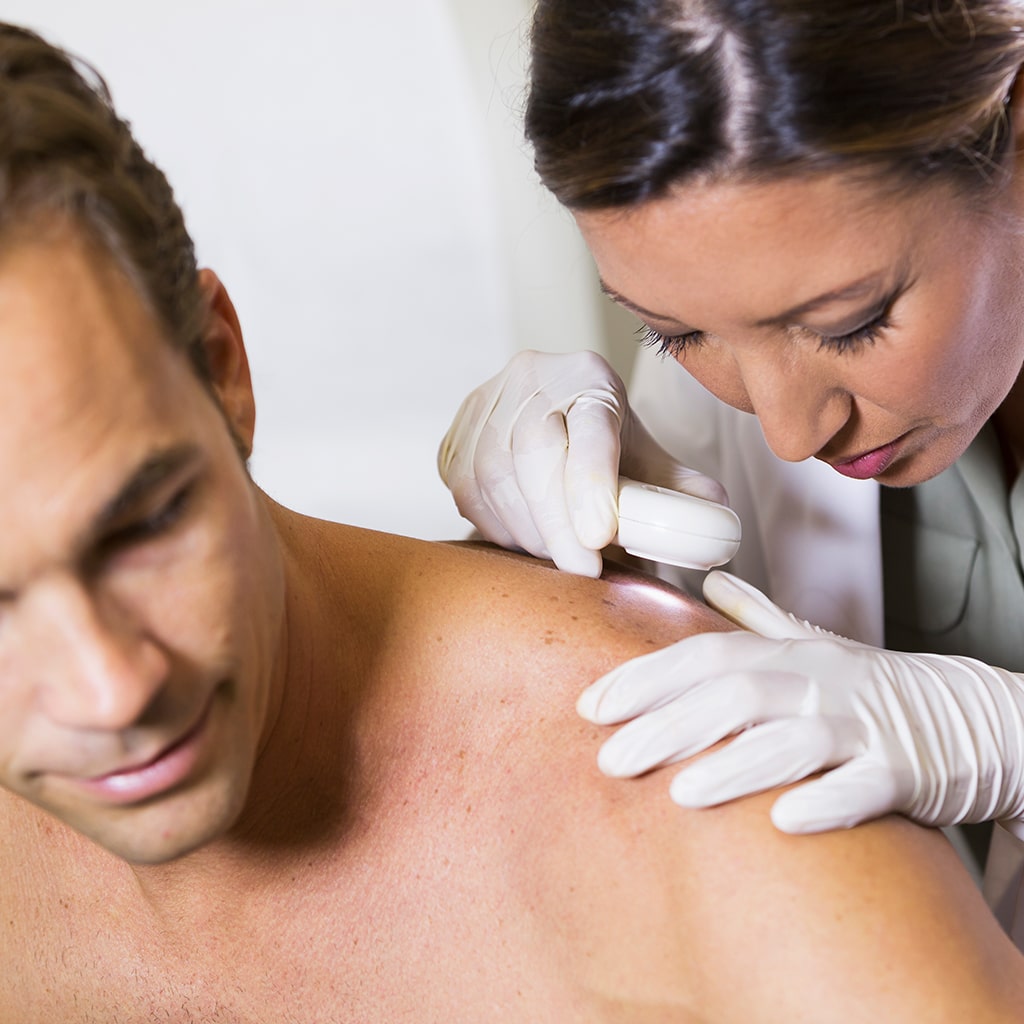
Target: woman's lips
x=869 y=464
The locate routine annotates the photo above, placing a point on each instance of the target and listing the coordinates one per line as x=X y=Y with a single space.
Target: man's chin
x=157 y=835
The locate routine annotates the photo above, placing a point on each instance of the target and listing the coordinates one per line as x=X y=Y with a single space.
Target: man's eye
x=155 y=525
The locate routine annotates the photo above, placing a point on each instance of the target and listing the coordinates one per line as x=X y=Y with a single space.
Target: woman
x=816 y=209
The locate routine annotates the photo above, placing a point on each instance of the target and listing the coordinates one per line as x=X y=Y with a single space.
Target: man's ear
x=227 y=361
x=1015 y=102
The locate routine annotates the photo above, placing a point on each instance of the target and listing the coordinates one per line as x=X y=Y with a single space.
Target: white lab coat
x=811 y=541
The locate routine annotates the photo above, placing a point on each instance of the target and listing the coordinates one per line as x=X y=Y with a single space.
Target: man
x=262 y=768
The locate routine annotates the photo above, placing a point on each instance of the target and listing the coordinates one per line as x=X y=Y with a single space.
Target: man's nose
x=800 y=407
x=95 y=669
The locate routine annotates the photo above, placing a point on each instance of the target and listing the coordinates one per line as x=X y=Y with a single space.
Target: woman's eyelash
x=866 y=334
x=668 y=344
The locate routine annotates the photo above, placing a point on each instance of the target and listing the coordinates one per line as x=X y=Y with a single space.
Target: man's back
x=446 y=849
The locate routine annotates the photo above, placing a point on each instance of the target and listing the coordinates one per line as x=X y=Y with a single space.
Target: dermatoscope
x=675 y=528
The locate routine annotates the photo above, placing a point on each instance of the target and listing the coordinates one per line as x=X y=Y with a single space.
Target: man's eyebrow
x=148 y=475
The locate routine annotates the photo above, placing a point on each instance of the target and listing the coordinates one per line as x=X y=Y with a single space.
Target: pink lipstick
x=869 y=464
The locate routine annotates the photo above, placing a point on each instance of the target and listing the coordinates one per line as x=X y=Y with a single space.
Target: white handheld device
x=675 y=528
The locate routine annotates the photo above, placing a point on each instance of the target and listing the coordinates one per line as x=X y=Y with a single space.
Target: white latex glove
x=533 y=458
x=939 y=739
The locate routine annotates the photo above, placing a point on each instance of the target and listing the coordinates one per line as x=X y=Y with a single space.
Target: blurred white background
x=356 y=174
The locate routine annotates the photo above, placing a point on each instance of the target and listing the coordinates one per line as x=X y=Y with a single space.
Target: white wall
x=355 y=173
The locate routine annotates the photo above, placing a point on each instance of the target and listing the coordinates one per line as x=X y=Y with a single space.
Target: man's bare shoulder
x=622 y=614
x=712 y=907
x=457 y=606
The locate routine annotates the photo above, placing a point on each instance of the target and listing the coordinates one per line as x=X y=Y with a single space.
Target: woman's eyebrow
x=870 y=285
x=629 y=304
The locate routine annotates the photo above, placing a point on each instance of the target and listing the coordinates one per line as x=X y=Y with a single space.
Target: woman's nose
x=800 y=408
x=94 y=668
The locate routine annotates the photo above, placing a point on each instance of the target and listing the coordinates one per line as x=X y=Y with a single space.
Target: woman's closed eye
x=669 y=344
x=866 y=334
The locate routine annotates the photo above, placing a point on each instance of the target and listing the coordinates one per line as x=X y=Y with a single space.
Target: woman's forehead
x=776 y=242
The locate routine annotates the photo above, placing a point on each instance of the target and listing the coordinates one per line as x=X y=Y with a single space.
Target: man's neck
x=297 y=800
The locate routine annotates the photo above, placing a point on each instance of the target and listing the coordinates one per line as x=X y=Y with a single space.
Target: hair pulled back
x=629 y=97
x=64 y=152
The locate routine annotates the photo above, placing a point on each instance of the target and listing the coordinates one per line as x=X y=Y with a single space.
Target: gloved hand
x=533 y=458
x=939 y=739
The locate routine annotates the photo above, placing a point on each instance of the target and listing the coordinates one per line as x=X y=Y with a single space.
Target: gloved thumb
x=591 y=474
x=746 y=606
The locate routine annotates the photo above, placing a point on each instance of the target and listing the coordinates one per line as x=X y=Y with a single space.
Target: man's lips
x=146 y=762
x=156 y=774
x=868 y=464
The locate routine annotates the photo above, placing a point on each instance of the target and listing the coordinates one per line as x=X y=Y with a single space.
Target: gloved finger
x=652 y=680
x=643 y=459
x=858 y=791
x=472 y=505
x=491 y=525
x=475 y=462
x=476 y=456
x=539 y=445
x=769 y=755
x=745 y=605
x=592 y=467
x=458 y=445
x=505 y=461
x=684 y=727
x=701 y=717
x=689 y=481
x=493 y=501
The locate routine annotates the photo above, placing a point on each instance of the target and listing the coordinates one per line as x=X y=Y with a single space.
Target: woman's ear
x=227 y=361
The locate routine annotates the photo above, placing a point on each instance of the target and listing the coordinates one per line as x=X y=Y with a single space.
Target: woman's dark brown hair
x=630 y=97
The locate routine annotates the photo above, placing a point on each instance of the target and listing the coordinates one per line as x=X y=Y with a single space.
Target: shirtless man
x=260 y=769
